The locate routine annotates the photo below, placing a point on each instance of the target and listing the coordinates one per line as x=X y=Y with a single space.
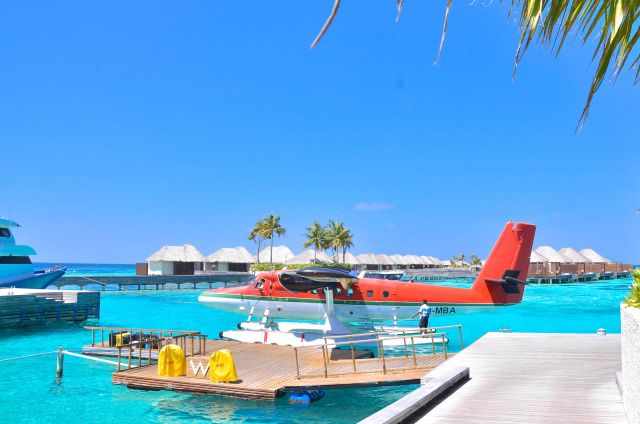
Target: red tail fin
x=503 y=276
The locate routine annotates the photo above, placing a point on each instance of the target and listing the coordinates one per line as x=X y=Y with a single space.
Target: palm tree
x=316 y=237
x=338 y=238
x=610 y=25
x=333 y=232
x=476 y=261
x=257 y=236
x=271 y=227
x=346 y=242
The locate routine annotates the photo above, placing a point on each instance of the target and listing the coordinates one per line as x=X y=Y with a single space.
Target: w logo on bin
x=198 y=368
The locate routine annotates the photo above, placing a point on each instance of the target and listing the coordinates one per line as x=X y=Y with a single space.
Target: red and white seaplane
x=340 y=299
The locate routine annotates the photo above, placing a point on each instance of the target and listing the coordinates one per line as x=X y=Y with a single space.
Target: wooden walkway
x=535 y=378
x=156 y=282
x=268 y=370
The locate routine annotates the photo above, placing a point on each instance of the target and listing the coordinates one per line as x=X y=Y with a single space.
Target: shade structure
x=436 y=261
x=384 y=259
x=573 y=256
x=550 y=254
x=349 y=259
x=414 y=260
x=281 y=254
x=445 y=262
x=367 y=259
x=427 y=260
x=537 y=258
x=184 y=253
x=309 y=256
x=398 y=260
x=594 y=256
x=234 y=255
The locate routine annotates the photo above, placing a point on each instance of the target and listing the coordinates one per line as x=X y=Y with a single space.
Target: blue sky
x=128 y=125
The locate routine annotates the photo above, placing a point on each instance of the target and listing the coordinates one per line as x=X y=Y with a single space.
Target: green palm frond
x=611 y=24
x=634 y=295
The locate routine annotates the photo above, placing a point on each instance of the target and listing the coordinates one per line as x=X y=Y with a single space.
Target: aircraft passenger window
x=349 y=291
x=260 y=284
x=385 y=293
x=4 y=232
x=369 y=293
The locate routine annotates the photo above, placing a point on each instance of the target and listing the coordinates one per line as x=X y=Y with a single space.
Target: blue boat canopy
x=17 y=250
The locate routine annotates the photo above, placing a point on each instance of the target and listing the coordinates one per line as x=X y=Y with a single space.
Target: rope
x=27 y=356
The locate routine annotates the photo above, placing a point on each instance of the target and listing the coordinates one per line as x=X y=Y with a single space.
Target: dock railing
x=402 y=355
x=145 y=343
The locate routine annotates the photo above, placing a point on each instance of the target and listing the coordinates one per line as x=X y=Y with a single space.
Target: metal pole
x=119 y=356
x=413 y=345
x=324 y=360
x=404 y=340
x=102 y=337
x=93 y=337
x=140 y=349
x=461 y=340
x=59 y=364
x=192 y=348
x=353 y=357
x=381 y=349
x=444 y=347
x=295 y=350
x=129 y=361
x=150 y=345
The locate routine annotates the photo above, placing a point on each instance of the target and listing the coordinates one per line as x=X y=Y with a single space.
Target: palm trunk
x=315 y=254
x=344 y=254
x=258 y=253
x=271 y=251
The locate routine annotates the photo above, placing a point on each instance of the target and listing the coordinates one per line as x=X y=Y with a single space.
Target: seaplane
x=342 y=300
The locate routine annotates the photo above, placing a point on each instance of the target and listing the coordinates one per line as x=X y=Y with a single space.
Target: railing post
x=324 y=360
x=140 y=349
x=444 y=347
x=353 y=357
x=381 y=350
x=93 y=337
x=404 y=340
x=129 y=360
x=413 y=345
x=295 y=350
x=461 y=340
x=192 y=348
x=102 y=337
x=150 y=346
x=119 y=356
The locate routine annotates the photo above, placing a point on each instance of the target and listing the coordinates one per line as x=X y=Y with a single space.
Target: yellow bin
x=172 y=362
x=222 y=369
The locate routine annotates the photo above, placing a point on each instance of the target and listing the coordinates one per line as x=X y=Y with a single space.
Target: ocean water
x=30 y=393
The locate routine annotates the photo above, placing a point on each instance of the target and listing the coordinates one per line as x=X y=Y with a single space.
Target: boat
x=383 y=275
x=16 y=269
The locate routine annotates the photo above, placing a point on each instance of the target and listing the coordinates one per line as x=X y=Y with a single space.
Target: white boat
x=16 y=269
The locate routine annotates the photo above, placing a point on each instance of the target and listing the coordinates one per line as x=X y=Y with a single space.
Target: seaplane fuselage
x=311 y=296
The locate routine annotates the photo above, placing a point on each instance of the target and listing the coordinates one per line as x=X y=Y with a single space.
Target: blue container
x=306 y=397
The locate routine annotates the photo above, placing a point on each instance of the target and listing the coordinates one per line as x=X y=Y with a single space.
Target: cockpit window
x=260 y=284
x=4 y=232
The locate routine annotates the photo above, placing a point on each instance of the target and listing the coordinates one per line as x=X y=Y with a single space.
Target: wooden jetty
x=533 y=378
x=156 y=282
x=267 y=371
x=28 y=307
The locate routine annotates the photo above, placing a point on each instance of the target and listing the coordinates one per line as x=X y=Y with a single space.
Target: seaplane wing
x=315 y=293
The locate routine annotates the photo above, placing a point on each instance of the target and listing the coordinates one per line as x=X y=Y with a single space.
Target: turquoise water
x=86 y=394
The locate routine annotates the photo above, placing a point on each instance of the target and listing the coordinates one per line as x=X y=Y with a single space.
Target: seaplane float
x=348 y=305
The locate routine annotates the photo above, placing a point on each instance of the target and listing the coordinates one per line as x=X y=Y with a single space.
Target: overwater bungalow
x=176 y=260
x=281 y=254
x=236 y=259
x=309 y=256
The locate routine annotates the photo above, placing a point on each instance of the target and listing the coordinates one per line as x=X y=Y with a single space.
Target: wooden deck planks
x=535 y=378
x=266 y=370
